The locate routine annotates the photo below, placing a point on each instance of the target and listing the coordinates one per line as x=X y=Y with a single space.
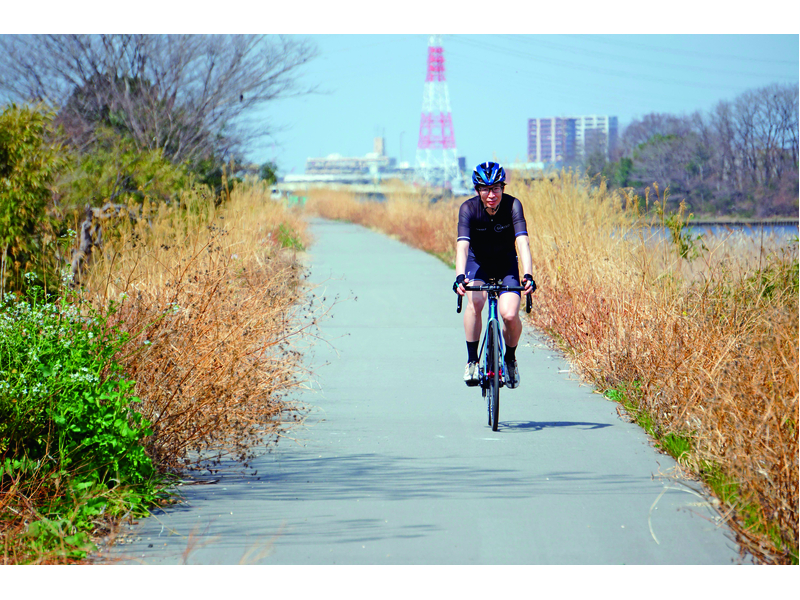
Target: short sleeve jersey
x=491 y=237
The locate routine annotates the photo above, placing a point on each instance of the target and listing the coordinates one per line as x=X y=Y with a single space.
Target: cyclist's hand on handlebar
x=529 y=284
x=458 y=286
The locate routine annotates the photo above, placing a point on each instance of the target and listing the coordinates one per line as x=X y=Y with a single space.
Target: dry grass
x=216 y=310
x=407 y=215
x=210 y=300
x=706 y=346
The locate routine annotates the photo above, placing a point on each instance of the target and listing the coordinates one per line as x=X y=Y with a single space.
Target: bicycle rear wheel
x=493 y=390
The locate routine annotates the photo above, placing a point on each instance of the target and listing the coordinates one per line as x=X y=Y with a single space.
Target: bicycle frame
x=484 y=369
x=489 y=381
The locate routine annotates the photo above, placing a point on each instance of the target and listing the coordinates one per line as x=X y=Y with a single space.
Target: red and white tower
x=437 y=162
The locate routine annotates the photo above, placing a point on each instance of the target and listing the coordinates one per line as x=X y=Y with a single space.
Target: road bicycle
x=492 y=364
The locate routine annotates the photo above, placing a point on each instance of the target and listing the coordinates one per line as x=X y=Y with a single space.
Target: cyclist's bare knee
x=476 y=300
x=508 y=307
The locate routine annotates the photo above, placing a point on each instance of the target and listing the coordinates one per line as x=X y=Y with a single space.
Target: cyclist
x=492 y=234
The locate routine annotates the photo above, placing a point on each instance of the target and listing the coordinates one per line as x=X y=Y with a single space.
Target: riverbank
x=739 y=222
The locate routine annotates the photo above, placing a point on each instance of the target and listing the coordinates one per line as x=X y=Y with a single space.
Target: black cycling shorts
x=507 y=273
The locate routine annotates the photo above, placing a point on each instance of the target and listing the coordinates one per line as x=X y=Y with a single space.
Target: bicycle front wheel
x=493 y=391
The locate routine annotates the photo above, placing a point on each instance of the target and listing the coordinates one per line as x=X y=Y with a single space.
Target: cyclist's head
x=488 y=174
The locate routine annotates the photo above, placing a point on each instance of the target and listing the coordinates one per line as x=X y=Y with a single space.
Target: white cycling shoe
x=471 y=374
x=512 y=375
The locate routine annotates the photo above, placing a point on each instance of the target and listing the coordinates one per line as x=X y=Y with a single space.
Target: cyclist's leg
x=472 y=316
x=508 y=307
x=475 y=301
x=472 y=323
x=472 y=330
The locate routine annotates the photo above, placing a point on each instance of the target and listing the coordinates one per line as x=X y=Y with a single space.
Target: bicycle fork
x=485 y=370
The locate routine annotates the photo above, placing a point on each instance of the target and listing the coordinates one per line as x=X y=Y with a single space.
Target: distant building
x=369 y=165
x=373 y=167
x=568 y=140
x=551 y=140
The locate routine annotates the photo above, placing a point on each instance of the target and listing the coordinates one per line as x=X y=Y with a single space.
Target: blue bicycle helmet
x=488 y=173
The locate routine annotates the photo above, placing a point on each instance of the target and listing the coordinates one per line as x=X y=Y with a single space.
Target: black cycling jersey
x=491 y=237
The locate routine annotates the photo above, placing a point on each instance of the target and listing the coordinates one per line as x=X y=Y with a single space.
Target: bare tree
x=742 y=156
x=640 y=131
x=723 y=137
x=188 y=95
x=745 y=110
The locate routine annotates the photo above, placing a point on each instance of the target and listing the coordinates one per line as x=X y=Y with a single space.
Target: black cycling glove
x=459 y=280
x=529 y=277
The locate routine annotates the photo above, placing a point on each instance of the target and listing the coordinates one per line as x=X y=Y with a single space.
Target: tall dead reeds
x=210 y=301
x=407 y=215
x=706 y=346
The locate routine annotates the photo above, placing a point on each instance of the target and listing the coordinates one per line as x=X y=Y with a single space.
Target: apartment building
x=568 y=140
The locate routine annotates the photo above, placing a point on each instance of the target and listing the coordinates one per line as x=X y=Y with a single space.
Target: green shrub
x=29 y=164
x=115 y=169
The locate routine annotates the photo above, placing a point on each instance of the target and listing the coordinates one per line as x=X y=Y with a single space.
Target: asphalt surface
x=396 y=463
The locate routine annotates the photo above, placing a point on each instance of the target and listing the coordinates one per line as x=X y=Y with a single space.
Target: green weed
x=687 y=245
x=69 y=435
x=677 y=445
x=289 y=238
x=753 y=520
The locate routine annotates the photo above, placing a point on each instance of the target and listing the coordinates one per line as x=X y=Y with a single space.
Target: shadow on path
x=540 y=425
x=393 y=478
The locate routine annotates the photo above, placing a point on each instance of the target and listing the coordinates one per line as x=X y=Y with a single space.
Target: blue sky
x=373 y=86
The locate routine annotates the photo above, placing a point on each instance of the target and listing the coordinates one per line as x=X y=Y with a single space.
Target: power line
x=594 y=70
x=525 y=79
x=517 y=81
x=617 y=42
x=537 y=40
x=582 y=67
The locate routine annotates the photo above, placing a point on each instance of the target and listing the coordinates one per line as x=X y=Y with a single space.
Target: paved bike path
x=397 y=464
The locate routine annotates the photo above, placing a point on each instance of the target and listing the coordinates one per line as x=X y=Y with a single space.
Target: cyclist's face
x=490 y=196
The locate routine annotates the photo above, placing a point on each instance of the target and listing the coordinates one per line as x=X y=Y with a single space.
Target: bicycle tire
x=485 y=386
x=493 y=395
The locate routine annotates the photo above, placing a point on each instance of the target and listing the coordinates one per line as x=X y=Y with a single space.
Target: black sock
x=511 y=353
x=472 y=351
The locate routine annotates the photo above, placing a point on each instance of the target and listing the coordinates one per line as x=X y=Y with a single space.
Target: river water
x=756 y=230
x=769 y=234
